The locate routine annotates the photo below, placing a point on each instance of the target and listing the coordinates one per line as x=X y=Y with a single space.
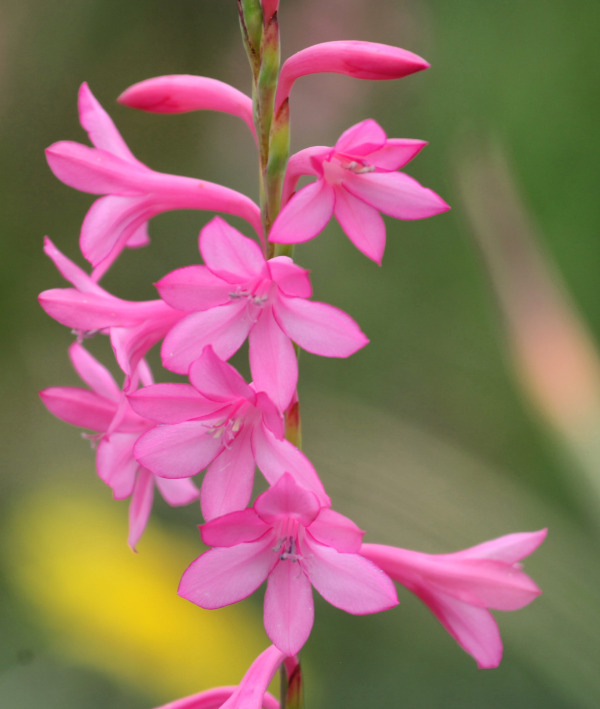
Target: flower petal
x=362 y=223
x=224 y=327
x=287 y=499
x=193 y=288
x=395 y=194
x=347 y=581
x=218 y=381
x=289 y=610
x=273 y=361
x=319 y=328
x=177 y=451
x=305 y=215
x=171 y=403
x=229 y=254
x=228 y=481
x=333 y=529
x=233 y=528
x=177 y=492
x=362 y=138
x=140 y=506
x=225 y=575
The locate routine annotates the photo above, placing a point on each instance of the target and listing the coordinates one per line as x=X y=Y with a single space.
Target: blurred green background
x=473 y=412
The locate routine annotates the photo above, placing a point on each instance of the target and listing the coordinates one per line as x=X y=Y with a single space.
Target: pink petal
x=291 y=279
x=319 y=328
x=395 y=194
x=234 y=528
x=140 y=506
x=95 y=375
x=474 y=629
x=509 y=548
x=218 y=381
x=362 y=224
x=301 y=163
x=333 y=529
x=226 y=575
x=305 y=215
x=287 y=499
x=229 y=254
x=362 y=138
x=289 y=610
x=180 y=93
x=79 y=407
x=209 y=699
x=177 y=492
x=252 y=690
x=227 y=484
x=177 y=451
x=99 y=126
x=348 y=581
x=224 y=328
x=193 y=288
x=171 y=403
x=116 y=465
x=112 y=223
x=396 y=153
x=273 y=361
x=362 y=60
x=70 y=271
x=272 y=417
x=274 y=457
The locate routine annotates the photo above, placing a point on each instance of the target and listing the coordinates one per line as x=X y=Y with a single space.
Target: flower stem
x=292 y=694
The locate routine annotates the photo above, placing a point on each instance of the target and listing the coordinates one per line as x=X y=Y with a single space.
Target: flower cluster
x=250 y=288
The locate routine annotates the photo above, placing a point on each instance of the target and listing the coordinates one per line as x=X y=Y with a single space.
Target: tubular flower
x=251 y=693
x=103 y=408
x=180 y=93
x=239 y=294
x=361 y=60
x=356 y=179
x=223 y=423
x=459 y=588
x=292 y=541
x=134 y=192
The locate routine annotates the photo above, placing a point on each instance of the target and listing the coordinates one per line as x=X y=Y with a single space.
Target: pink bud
x=362 y=60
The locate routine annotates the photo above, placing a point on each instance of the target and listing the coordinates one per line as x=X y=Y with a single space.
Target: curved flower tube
x=251 y=693
x=180 y=93
x=295 y=543
x=134 y=192
x=459 y=588
x=356 y=180
x=104 y=408
x=361 y=60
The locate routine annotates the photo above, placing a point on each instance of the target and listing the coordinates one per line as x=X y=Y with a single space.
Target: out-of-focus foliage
x=425 y=437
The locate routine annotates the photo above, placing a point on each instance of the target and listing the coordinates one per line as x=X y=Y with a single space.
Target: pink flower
x=239 y=294
x=135 y=193
x=134 y=327
x=459 y=588
x=223 y=423
x=361 y=60
x=251 y=693
x=293 y=541
x=357 y=179
x=104 y=408
x=180 y=93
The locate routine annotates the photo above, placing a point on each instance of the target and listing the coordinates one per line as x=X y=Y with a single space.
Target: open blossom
x=459 y=588
x=356 y=179
x=104 y=408
x=222 y=424
x=251 y=693
x=294 y=543
x=134 y=192
x=239 y=294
